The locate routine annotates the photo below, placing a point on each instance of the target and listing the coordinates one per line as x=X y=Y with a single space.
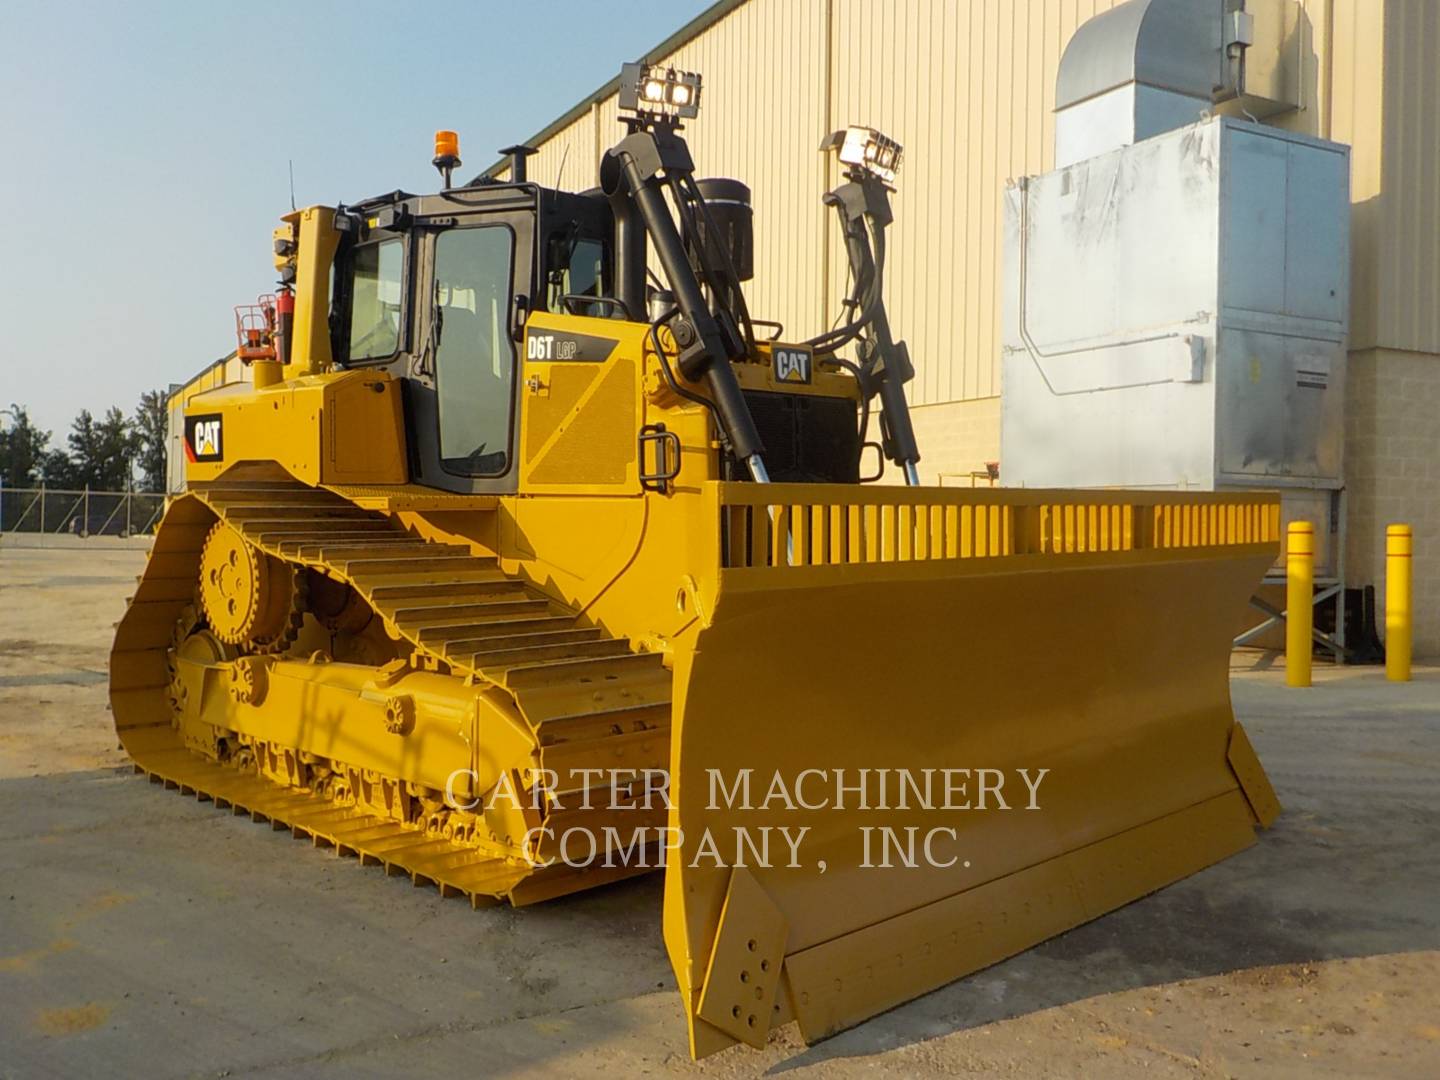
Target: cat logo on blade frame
x=202 y=438
x=792 y=363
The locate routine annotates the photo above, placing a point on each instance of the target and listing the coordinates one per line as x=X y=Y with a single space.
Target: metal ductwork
x=1150 y=66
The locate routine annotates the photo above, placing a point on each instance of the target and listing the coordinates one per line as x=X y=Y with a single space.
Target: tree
x=119 y=448
x=84 y=453
x=22 y=450
x=151 y=429
x=101 y=452
x=57 y=470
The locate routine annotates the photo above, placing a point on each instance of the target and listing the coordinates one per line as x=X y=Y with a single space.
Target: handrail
x=832 y=525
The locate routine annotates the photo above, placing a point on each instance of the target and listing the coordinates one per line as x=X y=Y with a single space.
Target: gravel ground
x=146 y=934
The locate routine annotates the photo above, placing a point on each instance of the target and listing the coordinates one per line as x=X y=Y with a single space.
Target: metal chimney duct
x=1150 y=66
x=1139 y=69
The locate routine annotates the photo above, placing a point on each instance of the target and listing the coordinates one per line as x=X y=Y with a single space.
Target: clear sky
x=143 y=150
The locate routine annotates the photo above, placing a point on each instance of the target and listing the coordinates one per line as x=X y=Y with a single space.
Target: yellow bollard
x=1399 y=616
x=1299 y=601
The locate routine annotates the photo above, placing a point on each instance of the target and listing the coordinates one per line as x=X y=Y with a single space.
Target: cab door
x=461 y=392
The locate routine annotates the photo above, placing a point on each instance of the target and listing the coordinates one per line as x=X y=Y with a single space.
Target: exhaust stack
x=517 y=155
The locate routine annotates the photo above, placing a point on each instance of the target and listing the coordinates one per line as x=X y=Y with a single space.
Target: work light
x=659 y=90
x=865 y=148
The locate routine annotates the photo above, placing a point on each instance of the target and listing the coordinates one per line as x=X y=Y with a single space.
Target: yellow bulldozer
x=517 y=568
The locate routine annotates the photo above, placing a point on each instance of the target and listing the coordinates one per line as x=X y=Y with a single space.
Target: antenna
x=560 y=172
x=292 y=182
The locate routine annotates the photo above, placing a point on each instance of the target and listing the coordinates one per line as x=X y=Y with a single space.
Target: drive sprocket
x=251 y=599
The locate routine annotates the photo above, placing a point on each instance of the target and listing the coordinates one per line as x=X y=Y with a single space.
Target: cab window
x=474 y=356
x=577 y=268
x=375 y=299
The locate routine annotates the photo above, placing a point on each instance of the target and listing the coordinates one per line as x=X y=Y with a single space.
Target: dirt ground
x=146 y=934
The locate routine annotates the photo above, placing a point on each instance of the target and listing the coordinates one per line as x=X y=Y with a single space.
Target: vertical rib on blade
x=1106 y=664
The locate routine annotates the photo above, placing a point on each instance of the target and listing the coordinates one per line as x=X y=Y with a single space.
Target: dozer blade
x=924 y=730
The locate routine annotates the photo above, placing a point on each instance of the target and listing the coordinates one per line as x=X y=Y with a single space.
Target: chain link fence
x=56 y=512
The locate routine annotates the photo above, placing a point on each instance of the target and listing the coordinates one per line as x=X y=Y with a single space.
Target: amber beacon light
x=447 y=153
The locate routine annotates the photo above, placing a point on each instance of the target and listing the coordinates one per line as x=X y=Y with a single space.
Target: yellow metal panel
x=363 y=434
x=220 y=373
x=337 y=429
x=398 y=498
x=1133 y=721
x=739 y=996
x=1259 y=792
x=335 y=711
x=580 y=418
x=840 y=983
x=310 y=351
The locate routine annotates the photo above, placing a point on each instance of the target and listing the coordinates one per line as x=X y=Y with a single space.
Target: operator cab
x=436 y=290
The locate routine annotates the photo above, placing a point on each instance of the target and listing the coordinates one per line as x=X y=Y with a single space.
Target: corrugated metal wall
x=1375 y=87
x=1350 y=36
x=766 y=78
x=1409 y=316
x=763 y=127
x=567 y=159
x=968 y=87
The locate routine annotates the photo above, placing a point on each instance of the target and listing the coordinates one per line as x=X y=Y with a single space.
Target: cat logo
x=792 y=363
x=202 y=438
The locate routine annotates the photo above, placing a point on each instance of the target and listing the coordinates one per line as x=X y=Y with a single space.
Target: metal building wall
x=1392 y=443
x=968 y=87
x=567 y=159
x=758 y=123
x=1350 y=109
x=1408 y=317
x=767 y=81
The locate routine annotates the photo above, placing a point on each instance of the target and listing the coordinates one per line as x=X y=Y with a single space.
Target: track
x=589 y=701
